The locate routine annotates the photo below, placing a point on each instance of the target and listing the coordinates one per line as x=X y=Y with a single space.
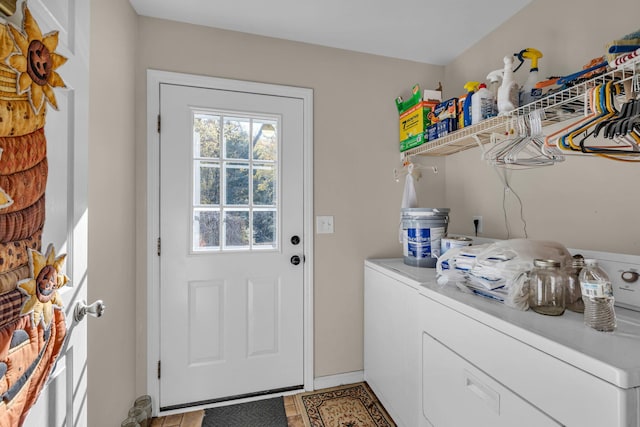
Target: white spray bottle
x=529 y=93
x=494 y=78
x=509 y=90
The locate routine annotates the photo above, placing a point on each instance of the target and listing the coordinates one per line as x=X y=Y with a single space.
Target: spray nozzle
x=495 y=75
x=528 y=53
x=471 y=86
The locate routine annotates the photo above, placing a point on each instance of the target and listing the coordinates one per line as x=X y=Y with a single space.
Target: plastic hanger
x=612 y=128
x=410 y=168
x=604 y=105
x=555 y=139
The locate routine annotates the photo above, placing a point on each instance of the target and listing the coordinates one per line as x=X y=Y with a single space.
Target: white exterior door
x=231 y=245
x=63 y=401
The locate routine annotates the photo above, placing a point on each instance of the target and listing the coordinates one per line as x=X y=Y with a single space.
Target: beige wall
x=355 y=151
x=111 y=372
x=584 y=202
x=588 y=203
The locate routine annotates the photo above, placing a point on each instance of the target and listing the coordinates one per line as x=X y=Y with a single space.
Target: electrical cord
x=507 y=187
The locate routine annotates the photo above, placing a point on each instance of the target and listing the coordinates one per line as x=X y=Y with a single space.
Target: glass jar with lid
x=547 y=283
x=573 y=297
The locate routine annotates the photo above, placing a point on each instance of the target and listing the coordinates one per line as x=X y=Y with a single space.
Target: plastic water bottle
x=597 y=294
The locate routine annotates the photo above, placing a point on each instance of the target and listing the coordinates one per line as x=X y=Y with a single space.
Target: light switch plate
x=324 y=224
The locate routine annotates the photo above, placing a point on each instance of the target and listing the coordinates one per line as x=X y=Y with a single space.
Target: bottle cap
x=577 y=262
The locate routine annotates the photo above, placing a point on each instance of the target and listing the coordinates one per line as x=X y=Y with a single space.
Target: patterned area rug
x=352 y=405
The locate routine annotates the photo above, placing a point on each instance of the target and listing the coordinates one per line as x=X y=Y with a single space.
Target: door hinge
x=158 y=369
x=158 y=246
x=158 y=123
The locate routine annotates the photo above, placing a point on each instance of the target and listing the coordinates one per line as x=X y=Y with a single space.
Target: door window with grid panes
x=235 y=182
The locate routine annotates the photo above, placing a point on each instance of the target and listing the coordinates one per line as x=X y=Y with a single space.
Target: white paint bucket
x=423 y=230
x=454 y=242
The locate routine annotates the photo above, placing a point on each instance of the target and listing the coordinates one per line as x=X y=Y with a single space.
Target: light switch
x=324 y=224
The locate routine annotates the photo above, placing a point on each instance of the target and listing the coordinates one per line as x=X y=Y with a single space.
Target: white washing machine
x=484 y=364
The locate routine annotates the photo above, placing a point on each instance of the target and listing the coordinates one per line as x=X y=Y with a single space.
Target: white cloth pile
x=498 y=270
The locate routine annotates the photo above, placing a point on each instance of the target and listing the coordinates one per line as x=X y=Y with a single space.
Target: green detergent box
x=412 y=142
x=415 y=120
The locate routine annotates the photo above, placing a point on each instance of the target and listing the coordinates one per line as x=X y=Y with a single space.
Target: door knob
x=82 y=309
x=295 y=260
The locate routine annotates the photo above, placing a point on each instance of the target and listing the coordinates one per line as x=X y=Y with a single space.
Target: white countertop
x=613 y=357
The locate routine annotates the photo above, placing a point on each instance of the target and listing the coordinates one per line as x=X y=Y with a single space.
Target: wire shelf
x=558 y=106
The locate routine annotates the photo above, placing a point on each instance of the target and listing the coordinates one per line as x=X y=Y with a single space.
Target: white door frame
x=154 y=79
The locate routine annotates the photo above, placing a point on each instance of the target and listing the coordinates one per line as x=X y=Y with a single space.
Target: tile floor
x=188 y=419
x=294 y=418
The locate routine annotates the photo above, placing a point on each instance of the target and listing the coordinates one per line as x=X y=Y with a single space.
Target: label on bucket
x=423 y=243
x=454 y=242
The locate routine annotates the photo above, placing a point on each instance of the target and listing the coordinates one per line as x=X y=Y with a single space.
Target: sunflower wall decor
x=32 y=323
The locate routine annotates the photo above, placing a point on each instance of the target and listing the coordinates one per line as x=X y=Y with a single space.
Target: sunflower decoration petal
x=42 y=287
x=36 y=62
x=7 y=45
x=5 y=199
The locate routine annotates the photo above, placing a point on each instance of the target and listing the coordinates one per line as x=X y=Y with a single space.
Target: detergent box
x=412 y=142
x=432 y=132
x=461 y=100
x=445 y=110
x=441 y=128
x=446 y=126
x=415 y=120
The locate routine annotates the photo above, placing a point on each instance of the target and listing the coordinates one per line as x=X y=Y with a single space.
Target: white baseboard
x=338 y=379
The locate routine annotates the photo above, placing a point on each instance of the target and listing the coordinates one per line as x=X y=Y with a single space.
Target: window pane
x=265 y=143
x=207 y=181
x=236 y=228
x=237 y=184
x=236 y=138
x=206 y=135
x=206 y=229
x=264 y=228
x=264 y=185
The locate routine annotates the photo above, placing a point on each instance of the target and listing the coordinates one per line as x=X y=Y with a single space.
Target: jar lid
x=546 y=263
x=577 y=262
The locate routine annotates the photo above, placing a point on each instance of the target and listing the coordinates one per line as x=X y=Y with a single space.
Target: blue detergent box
x=445 y=110
x=432 y=132
x=446 y=126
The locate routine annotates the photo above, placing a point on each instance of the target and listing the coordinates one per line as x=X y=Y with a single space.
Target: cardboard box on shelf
x=432 y=95
x=445 y=110
x=412 y=142
x=432 y=132
x=446 y=126
x=415 y=120
x=460 y=117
